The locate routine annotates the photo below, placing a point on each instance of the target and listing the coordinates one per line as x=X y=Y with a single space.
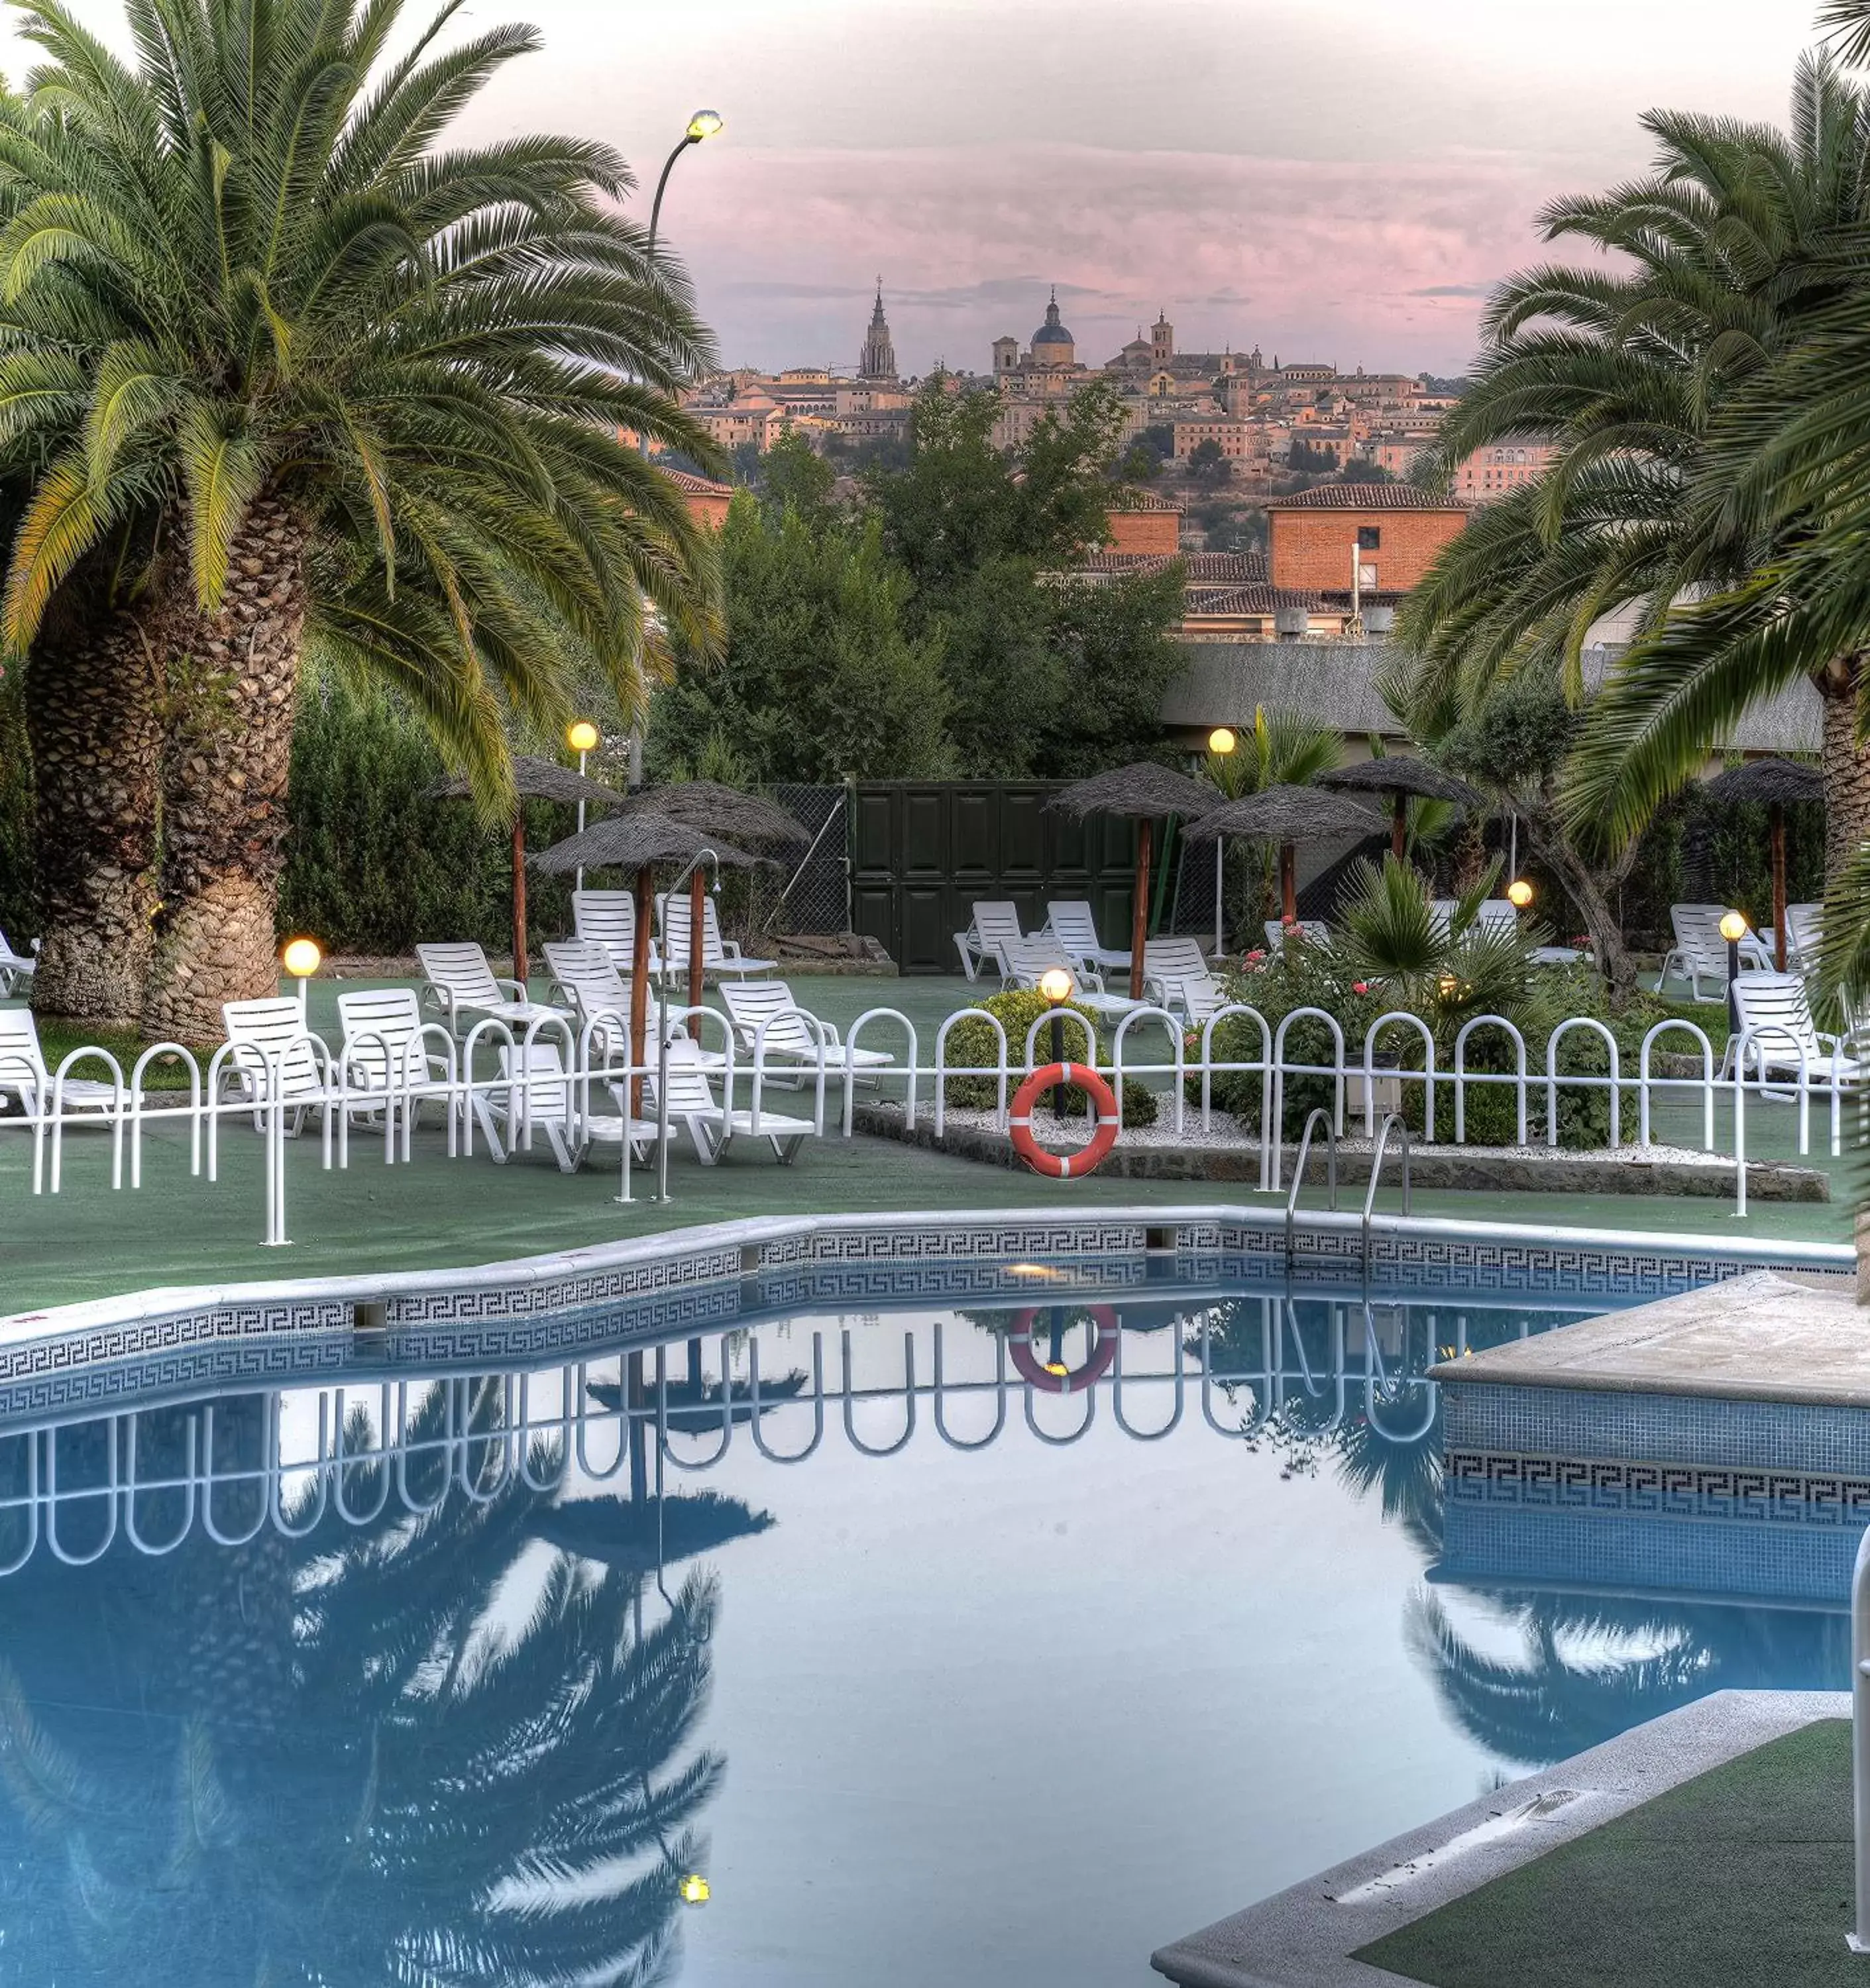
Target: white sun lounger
x=607 y=918
x=1025 y=961
x=992 y=923
x=711 y=1127
x=1699 y=952
x=794 y=1037
x=16 y=968
x=1074 y=926
x=721 y=959
x=388 y=1050
x=461 y=983
x=553 y=1102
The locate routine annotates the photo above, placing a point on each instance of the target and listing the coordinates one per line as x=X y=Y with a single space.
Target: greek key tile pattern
x=1660 y=1490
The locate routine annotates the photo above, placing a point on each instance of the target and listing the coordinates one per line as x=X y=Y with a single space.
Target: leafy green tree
x=1141 y=464
x=1206 y=464
x=792 y=472
x=288 y=375
x=1044 y=674
x=821 y=676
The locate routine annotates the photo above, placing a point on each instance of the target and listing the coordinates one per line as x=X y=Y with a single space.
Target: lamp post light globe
x=1519 y=894
x=581 y=736
x=695 y=1889
x=1733 y=929
x=1222 y=741
x=302 y=958
x=1055 y=985
x=704 y=124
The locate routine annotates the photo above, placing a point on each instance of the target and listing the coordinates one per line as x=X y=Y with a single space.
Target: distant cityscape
x=1247 y=421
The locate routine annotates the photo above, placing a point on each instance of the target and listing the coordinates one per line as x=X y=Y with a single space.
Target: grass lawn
x=1740 y=1879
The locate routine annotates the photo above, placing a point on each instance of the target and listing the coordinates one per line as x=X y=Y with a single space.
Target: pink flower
x=1288 y=919
x=1258 y=952
x=1359 y=987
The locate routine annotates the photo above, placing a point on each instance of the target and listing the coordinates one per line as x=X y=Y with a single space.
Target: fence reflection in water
x=1299 y=1367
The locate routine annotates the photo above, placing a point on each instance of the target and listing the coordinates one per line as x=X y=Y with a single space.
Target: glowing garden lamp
x=1055 y=989
x=695 y=1889
x=1519 y=894
x=581 y=736
x=1221 y=742
x=302 y=958
x=1733 y=929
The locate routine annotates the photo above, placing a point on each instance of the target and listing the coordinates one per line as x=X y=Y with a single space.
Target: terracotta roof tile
x=1363 y=497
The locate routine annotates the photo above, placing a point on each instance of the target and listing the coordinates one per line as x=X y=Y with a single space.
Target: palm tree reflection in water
x=430 y=1751
x=1590 y=1666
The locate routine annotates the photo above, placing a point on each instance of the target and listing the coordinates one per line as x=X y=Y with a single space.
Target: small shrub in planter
x=973 y=1043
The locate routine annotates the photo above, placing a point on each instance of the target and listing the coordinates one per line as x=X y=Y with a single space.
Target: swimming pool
x=993 y=1634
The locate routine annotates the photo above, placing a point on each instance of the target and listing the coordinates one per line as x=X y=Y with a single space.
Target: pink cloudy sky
x=1330 y=179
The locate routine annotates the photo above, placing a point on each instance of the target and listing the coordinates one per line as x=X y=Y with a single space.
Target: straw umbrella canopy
x=534 y=780
x=638 y=841
x=1400 y=775
x=1287 y=815
x=1145 y=793
x=1770 y=784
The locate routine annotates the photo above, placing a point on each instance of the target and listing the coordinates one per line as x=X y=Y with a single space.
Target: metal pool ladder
x=1391 y=1121
x=1318 y=1113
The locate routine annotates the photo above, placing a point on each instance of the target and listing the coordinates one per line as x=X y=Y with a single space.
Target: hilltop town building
x=1392 y=532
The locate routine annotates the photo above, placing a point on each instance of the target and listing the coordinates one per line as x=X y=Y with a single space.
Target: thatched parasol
x=1400 y=776
x=1287 y=815
x=1770 y=783
x=638 y=841
x=716 y=809
x=1145 y=793
x=534 y=780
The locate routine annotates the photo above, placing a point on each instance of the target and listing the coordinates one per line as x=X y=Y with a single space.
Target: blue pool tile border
x=83 y=1355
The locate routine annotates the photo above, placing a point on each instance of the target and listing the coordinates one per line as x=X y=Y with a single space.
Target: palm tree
x=1741 y=244
x=348 y=1756
x=1279 y=749
x=289 y=375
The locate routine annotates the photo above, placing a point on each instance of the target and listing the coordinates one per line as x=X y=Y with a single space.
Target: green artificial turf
x=1741 y=1878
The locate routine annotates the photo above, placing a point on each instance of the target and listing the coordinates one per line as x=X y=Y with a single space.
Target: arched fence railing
x=501 y=1092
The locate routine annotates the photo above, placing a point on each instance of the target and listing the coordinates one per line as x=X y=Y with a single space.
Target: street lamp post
x=1055 y=986
x=1221 y=742
x=302 y=958
x=581 y=736
x=1733 y=929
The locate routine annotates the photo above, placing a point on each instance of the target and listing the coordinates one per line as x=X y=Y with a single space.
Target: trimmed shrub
x=970 y=1042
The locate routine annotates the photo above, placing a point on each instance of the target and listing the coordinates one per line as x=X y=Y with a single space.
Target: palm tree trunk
x=234 y=678
x=1844 y=762
x=93 y=705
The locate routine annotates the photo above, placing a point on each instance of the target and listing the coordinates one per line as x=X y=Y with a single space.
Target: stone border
x=532 y=1305
x=1472 y=1169
x=1304 y=1937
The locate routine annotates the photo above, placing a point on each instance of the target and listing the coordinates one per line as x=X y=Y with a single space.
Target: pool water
x=934 y=1674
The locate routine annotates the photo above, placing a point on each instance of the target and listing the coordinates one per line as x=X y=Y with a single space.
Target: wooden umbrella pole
x=1776 y=817
x=520 y=955
x=639 y=982
x=697 y=951
x=1139 y=911
x=1288 y=881
x=1399 y=825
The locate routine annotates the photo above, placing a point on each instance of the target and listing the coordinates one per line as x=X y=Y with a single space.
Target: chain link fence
x=810 y=894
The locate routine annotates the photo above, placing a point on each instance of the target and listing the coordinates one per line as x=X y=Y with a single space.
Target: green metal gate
x=922 y=852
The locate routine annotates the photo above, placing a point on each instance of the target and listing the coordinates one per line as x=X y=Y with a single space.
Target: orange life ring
x=1035 y=1373
x=1064 y=1166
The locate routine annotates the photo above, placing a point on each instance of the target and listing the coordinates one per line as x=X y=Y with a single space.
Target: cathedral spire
x=878 y=361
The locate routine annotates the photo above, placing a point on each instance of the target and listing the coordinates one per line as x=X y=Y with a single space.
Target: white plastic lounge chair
x=1699 y=952
x=25 y=1078
x=1074 y=926
x=991 y=923
x=1314 y=931
x=608 y=919
x=591 y=985
x=1499 y=911
x=388 y=1050
x=794 y=1037
x=1805 y=937
x=460 y=984
x=1196 y=998
x=258 y=1033
x=16 y=968
x=1025 y=961
x=1775 y=1011
x=710 y=1127
x=552 y=1104
x=721 y=959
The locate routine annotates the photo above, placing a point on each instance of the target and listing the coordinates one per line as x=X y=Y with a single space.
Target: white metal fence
x=376 y=1086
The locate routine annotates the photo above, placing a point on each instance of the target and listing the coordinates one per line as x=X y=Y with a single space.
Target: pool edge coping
x=1306 y=1938
x=712 y=1238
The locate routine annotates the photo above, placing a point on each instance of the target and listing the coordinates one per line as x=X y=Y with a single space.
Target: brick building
x=1141 y=522
x=707 y=500
x=1396 y=531
x=1490 y=473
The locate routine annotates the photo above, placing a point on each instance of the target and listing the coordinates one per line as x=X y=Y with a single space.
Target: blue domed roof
x=1052 y=332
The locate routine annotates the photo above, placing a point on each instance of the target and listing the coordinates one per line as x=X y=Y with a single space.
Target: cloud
x=1454 y=290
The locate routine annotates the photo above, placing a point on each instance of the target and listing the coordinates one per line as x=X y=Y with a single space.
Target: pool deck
x=1307 y=1936
x=86 y=1243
